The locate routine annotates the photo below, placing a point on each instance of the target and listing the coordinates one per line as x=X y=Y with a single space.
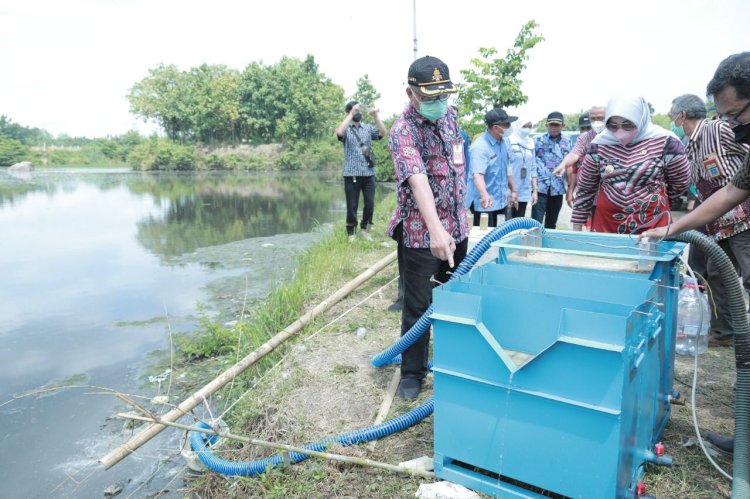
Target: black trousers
x=419 y=267
x=352 y=187
x=547 y=209
x=520 y=211
x=491 y=216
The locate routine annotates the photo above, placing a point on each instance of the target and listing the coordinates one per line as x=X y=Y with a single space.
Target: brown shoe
x=716 y=340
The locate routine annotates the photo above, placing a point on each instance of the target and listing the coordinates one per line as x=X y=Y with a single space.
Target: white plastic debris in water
x=423 y=463
x=444 y=490
x=160 y=378
x=266 y=245
x=361 y=332
x=160 y=400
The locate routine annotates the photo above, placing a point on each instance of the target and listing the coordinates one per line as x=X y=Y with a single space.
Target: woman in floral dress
x=635 y=167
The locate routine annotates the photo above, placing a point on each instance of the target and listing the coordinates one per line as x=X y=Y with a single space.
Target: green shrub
x=161 y=154
x=323 y=155
x=13 y=151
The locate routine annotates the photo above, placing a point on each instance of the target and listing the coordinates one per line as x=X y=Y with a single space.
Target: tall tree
x=288 y=101
x=366 y=93
x=160 y=97
x=213 y=101
x=493 y=81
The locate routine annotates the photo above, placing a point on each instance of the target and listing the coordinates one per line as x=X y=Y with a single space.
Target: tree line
x=213 y=104
x=204 y=109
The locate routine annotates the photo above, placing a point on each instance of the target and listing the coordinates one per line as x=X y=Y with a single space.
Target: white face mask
x=524 y=132
x=597 y=126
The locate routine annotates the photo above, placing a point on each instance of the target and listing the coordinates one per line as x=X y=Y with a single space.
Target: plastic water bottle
x=646 y=249
x=693 y=315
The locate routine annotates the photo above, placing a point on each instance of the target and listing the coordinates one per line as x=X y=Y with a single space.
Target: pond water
x=98 y=267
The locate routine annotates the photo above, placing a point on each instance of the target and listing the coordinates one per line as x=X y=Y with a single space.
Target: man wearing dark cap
x=429 y=222
x=584 y=123
x=490 y=158
x=550 y=150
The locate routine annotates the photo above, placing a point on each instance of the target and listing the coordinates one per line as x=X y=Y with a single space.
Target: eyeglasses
x=436 y=98
x=625 y=125
x=732 y=120
x=554 y=125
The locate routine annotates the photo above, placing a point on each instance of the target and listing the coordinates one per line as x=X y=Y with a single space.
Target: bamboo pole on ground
x=197 y=398
x=385 y=406
x=284 y=447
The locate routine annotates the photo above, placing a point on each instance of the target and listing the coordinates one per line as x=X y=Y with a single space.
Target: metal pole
x=414 y=5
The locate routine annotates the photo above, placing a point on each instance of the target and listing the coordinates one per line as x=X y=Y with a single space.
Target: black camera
x=369 y=155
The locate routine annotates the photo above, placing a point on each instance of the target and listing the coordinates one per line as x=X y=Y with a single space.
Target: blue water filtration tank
x=553 y=365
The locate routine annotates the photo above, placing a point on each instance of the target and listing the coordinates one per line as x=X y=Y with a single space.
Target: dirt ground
x=326 y=385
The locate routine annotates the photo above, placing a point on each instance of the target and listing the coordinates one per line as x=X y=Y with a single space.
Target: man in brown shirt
x=730 y=88
x=715 y=158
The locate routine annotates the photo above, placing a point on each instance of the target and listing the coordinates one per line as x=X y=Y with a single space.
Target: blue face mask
x=434 y=110
x=677 y=130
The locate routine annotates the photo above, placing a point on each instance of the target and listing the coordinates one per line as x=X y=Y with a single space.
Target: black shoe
x=723 y=442
x=409 y=388
x=396 y=306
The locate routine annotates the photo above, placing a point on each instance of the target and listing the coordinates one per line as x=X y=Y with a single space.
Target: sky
x=67 y=66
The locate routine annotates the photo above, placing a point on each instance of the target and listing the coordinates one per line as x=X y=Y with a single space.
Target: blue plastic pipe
x=200 y=443
x=423 y=323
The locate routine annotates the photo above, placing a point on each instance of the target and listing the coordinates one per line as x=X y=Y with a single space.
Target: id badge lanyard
x=458 y=152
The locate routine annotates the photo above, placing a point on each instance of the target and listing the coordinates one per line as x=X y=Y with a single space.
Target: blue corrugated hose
x=736 y=299
x=199 y=441
x=423 y=324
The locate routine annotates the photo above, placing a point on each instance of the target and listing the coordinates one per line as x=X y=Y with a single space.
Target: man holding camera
x=359 y=165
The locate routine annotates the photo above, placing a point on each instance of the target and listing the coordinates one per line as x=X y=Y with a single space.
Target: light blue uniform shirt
x=550 y=153
x=524 y=166
x=489 y=157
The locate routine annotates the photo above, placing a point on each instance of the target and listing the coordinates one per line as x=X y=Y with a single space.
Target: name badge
x=524 y=171
x=713 y=167
x=458 y=153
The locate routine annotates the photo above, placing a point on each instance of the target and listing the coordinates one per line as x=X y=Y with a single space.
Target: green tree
x=288 y=101
x=366 y=93
x=25 y=135
x=12 y=151
x=212 y=103
x=493 y=81
x=161 y=98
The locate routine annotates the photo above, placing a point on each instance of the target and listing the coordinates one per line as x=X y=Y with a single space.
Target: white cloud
x=67 y=66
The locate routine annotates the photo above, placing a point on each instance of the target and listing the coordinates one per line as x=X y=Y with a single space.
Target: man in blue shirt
x=489 y=162
x=550 y=148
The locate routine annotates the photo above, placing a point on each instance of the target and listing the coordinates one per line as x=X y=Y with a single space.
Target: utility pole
x=414 y=5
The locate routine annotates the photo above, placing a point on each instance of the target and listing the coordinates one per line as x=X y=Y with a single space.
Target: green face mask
x=434 y=110
x=677 y=130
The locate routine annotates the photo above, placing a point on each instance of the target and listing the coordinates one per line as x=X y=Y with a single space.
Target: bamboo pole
x=285 y=447
x=197 y=398
x=385 y=406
